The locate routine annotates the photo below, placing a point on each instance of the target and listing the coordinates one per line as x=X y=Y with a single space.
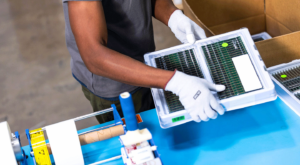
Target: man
x=107 y=40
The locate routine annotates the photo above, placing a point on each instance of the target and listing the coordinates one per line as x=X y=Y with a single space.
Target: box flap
x=216 y=12
x=286 y=13
x=254 y=24
x=280 y=50
x=275 y=28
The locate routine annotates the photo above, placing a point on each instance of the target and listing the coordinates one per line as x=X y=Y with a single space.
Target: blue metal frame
x=156 y=154
x=23 y=160
x=29 y=142
x=117 y=119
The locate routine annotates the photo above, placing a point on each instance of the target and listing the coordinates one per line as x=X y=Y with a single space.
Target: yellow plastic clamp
x=39 y=147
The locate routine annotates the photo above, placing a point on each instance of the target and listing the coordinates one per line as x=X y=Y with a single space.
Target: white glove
x=185 y=30
x=195 y=95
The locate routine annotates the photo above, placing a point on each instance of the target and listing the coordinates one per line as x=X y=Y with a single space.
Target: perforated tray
x=230 y=59
x=286 y=78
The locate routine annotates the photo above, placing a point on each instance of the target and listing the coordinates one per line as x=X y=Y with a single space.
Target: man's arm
x=89 y=28
x=163 y=9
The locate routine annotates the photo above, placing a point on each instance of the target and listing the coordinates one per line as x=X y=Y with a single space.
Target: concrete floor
x=36 y=85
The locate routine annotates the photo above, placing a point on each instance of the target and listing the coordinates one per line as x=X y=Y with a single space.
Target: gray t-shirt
x=130 y=32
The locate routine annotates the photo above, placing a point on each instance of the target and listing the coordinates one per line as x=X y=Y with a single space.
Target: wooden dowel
x=97 y=136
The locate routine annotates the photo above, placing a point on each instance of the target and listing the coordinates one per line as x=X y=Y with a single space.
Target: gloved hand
x=185 y=30
x=195 y=95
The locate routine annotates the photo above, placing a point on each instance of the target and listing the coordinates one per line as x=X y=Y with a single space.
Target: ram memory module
x=183 y=61
x=228 y=63
x=289 y=78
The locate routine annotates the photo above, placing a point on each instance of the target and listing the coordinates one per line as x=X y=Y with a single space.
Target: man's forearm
x=109 y=63
x=163 y=9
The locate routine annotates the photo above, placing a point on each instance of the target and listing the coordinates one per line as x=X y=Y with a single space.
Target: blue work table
x=263 y=134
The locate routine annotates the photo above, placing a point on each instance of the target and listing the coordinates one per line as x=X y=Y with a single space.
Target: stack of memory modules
x=183 y=61
x=286 y=78
x=230 y=59
x=261 y=36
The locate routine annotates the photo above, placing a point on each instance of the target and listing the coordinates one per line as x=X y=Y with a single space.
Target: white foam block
x=65 y=145
x=7 y=155
x=134 y=137
x=246 y=72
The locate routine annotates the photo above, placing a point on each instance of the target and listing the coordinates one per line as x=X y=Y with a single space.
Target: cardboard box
x=281 y=19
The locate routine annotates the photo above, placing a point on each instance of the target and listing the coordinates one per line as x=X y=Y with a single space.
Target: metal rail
x=89 y=115
x=107 y=160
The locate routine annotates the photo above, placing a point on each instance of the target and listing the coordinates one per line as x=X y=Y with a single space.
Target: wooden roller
x=97 y=136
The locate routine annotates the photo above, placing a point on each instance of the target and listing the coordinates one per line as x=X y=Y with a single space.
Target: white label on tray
x=246 y=72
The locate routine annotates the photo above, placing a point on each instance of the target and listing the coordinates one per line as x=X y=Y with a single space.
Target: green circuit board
x=183 y=61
